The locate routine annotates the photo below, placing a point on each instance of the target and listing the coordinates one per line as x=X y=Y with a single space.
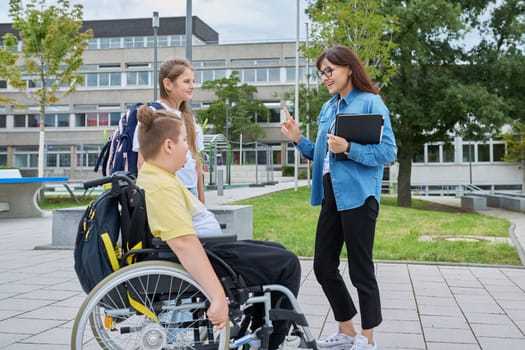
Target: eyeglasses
x=327 y=72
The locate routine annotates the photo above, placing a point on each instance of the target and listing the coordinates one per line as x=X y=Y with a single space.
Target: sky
x=235 y=20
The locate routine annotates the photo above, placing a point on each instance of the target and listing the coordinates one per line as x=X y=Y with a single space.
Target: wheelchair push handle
x=97 y=182
x=114 y=179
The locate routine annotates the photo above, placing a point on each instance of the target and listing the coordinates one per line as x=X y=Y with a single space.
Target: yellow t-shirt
x=169 y=204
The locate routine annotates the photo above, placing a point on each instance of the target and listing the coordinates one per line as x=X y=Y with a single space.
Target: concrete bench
x=513 y=203
x=19 y=194
x=473 y=203
x=494 y=200
x=237 y=219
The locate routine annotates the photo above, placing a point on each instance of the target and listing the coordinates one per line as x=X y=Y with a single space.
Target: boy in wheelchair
x=178 y=218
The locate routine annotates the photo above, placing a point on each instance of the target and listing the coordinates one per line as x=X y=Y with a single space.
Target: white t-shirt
x=185 y=214
x=188 y=173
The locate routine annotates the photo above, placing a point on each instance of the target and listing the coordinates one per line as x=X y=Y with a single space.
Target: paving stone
x=448 y=335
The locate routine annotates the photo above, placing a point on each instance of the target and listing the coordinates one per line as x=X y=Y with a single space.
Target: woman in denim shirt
x=348 y=191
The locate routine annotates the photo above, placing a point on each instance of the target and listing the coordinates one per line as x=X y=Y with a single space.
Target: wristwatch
x=347 y=150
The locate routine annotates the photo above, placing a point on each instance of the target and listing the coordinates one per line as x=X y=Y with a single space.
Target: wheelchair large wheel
x=148 y=305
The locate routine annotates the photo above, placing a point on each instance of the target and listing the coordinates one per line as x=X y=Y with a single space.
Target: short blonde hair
x=155 y=127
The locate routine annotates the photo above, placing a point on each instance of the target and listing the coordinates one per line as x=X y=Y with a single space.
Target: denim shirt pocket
x=323 y=127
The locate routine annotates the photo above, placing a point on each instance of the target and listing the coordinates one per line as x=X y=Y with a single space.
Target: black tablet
x=359 y=128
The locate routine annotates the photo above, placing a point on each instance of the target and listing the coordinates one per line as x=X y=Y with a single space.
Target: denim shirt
x=360 y=176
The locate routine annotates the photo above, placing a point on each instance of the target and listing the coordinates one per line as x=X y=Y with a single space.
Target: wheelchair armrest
x=159 y=243
x=217 y=239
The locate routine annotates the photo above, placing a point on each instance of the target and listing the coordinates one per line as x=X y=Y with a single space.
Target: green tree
x=52 y=48
x=428 y=99
x=499 y=62
x=236 y=99
x=362 y=25
x=8 y=71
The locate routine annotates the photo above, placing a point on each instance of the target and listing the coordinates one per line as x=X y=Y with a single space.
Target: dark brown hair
x=342 y=56
x=155 y=127
x=172 y=69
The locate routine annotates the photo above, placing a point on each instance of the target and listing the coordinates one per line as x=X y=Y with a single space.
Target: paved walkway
x=425 y=306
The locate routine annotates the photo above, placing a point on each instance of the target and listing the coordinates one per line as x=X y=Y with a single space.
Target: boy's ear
x=167 y=145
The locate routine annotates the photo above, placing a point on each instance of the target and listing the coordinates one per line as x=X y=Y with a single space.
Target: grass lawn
x=288 y=218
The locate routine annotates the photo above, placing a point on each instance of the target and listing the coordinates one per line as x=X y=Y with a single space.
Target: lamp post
x=155 y=25
x=227 y=124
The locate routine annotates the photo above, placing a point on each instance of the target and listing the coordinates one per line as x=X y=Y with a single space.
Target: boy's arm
x=192 y=256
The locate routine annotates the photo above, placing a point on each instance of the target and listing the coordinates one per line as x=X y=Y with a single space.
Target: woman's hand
x=338 y=144
x=290 y=128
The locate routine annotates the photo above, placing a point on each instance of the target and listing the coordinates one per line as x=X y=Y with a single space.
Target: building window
x=290 y=61
x=87 y=155
x=3 y=121
x=26 y=121
x=135 y=42
x=274 y=74
x=99 y=116
x=92 y=44
x=274 y=115
x=483 y=152
x=105 y=79
x=128 y=42
x=25 y=157
x=177 y=40
x=92 y=80
x=58 y=156
x=162 y=41
x=498 y=150
x=88 y=67
x=210 y=63
x=255 y=62
x=448 y=153
x=3 y=156
x=104 y=43
x=49 y=120
x=433 y=153
x=137 y=78
x=115 y=43
x=468 y=152
x=242 y=62
x=207 y=75
x=248 y=75
x=202 y=76
x=3 y=84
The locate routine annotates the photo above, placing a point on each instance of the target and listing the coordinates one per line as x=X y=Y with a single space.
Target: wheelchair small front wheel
x=148 y=305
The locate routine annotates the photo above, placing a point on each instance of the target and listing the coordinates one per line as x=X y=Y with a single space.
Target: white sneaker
x=291 y=342
x=336 y=341
x=361 y=343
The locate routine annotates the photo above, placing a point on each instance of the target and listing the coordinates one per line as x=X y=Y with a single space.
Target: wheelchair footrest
x=290 y=315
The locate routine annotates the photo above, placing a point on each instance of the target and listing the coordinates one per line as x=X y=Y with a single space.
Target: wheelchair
x=155 y=304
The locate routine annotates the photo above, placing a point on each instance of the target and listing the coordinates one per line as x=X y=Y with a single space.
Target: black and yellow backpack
x=112 y=225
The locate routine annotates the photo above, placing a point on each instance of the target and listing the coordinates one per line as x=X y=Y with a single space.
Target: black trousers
x=356 y=229
x=262 y=262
